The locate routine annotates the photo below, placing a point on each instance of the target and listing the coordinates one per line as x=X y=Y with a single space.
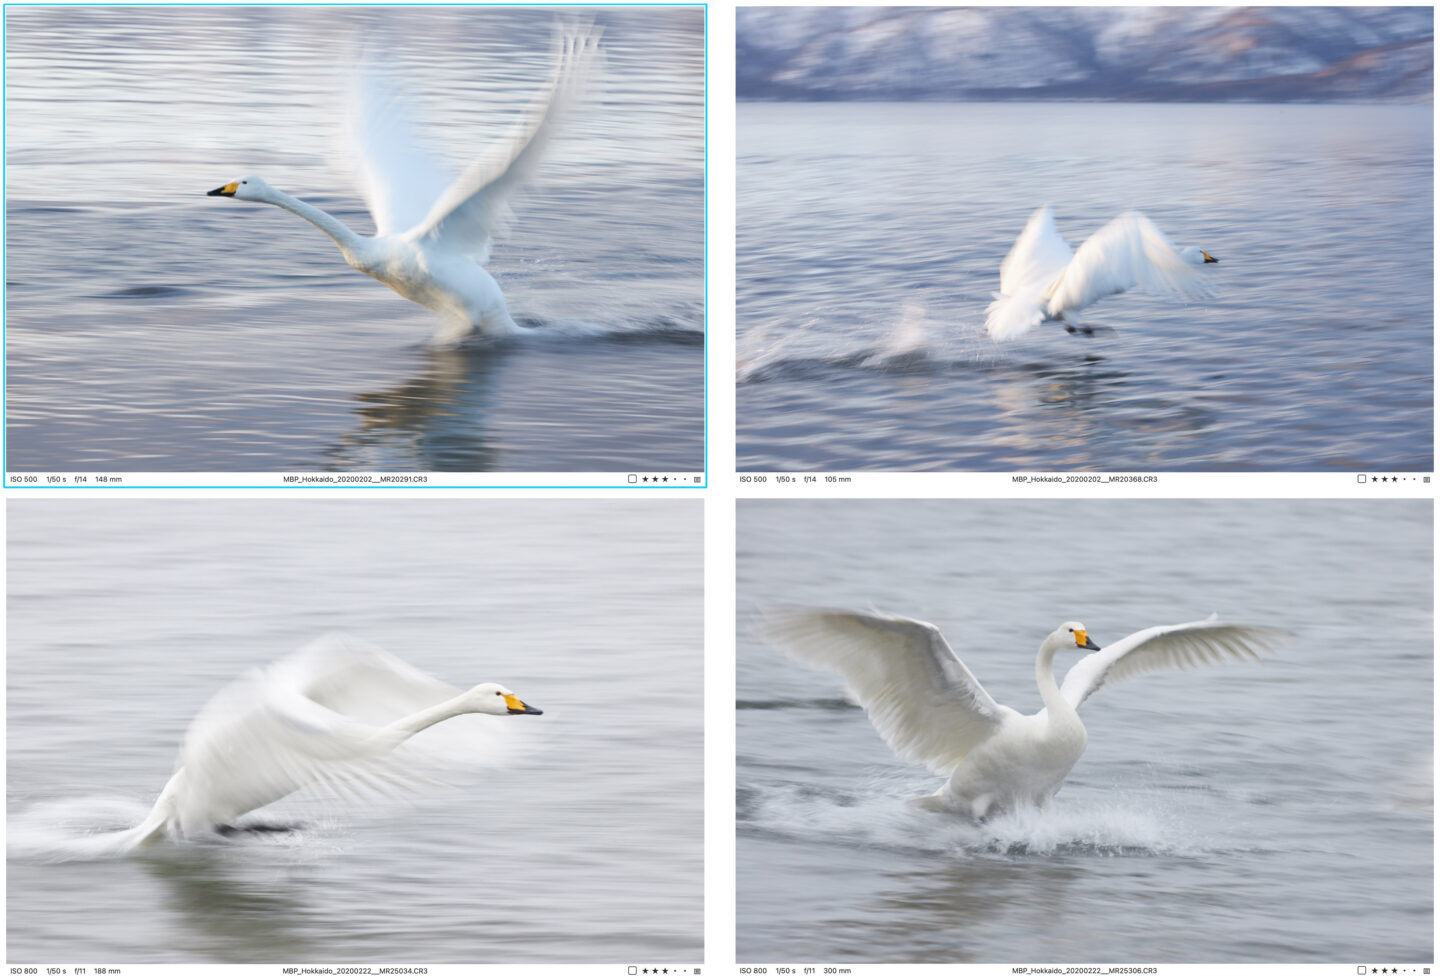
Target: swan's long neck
x=329 y=224
x=398 y=731
x=1056 y=707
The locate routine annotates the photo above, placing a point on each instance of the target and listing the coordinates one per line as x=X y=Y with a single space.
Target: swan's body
x=1041 y=279
x=332 y=713
x=433 y=235
x=930 y=709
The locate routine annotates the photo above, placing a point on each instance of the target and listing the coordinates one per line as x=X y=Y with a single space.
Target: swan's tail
x=935 y=803
x=1010 y=316
x=156 y=826
x=69 y=830
x=151 y=830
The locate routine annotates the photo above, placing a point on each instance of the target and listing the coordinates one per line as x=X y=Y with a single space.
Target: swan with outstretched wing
x=1041 y=279
x=433 y=233
x=930 y=708
x=330 y=715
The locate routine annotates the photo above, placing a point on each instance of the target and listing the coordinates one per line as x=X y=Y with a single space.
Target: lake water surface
x=577 y=839
x=150 y=328
x=1271 y=812
x=869 y=242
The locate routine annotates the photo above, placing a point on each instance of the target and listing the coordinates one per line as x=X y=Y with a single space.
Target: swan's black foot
x=259 y=828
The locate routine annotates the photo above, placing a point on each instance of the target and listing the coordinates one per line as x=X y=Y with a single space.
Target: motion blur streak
x=125 y=617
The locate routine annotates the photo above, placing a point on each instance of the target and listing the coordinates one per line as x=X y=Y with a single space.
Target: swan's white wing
x=304 y=720
x=1128 y=252
x=468 y=215
x=919 y=696
x=1010 y=316
x=397 y=177
x=254 y=743
x=1166 y=648
x=1037 y=256
x=359 y=680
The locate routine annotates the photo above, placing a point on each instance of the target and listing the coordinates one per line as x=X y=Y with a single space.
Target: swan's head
x=1195 y=256
x=494 y=699
x=1074 y=634
x=244 y=189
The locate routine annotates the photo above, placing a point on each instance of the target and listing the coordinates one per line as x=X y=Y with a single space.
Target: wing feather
x=468 y=215
x=923 y=701
x=1038 y=255
x=1128 y=252
x=359 y=680
x=305 y=720
x=395 y=174
x=1181 y=646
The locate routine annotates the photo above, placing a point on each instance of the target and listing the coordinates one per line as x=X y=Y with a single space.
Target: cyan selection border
x=4 y=266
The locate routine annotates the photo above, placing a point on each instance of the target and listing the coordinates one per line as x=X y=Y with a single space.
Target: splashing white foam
x=768 y=347
x=883 y=816
x=102 y=828
x=912 y=342
x=77 y=829
x=908 y=340
x=574 y=329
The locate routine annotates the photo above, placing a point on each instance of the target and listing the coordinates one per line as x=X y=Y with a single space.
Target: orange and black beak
x=1209 y=257
x=227 y=191
x=518 y=707
x=1083 y=641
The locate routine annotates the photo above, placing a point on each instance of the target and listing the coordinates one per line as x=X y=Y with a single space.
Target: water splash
x=656 y=328
x=913 y=343
x=883 y=816
x=98 y=828
x=908 y=343
x=76 y=829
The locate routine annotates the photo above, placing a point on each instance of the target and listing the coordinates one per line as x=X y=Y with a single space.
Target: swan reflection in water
x=438 y=420
x=623 y=401
x=235 y=904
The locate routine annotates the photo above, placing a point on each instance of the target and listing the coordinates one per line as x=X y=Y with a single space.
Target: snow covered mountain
x=1204 y=54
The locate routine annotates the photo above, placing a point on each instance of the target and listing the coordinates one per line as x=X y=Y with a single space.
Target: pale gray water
x=124 y=617
x=869 y=242
x=1272 y=812
x=152 y=328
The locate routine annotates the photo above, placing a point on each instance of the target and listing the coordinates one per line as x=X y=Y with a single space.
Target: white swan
x=930 y=709
x=433 y=235
x=1041 y=279
x=331 y=714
